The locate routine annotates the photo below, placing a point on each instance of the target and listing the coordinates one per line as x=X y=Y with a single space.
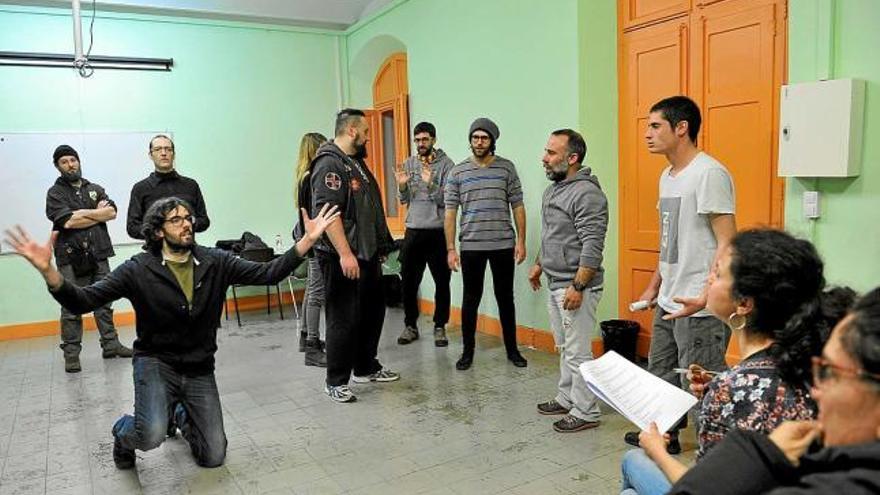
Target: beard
x=72 y=176
x=360 y=151
x=179 y=246
x=480 y=152
x=555 y=174
x=425 y=150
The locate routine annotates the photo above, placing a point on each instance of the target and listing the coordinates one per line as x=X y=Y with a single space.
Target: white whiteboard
x=113 y=160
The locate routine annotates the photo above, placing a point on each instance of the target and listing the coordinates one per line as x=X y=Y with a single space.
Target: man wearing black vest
x=79 y=210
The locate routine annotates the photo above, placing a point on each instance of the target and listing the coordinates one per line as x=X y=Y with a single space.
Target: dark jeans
x=473 y=270
x=71 y=324
x=424 y=247
x=355 y=312
x=157 y=386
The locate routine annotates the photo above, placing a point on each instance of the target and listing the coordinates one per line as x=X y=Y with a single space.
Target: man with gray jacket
x=420 y=183
x=574 y=218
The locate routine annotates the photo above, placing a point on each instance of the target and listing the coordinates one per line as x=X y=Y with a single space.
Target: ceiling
x=327 y=14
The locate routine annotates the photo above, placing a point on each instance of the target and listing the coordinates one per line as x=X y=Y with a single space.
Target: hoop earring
x=739 y=324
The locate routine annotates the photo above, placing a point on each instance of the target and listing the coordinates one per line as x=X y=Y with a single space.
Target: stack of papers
x=636 y=394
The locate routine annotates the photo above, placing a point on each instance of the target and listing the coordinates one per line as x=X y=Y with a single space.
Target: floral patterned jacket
x=750 y=396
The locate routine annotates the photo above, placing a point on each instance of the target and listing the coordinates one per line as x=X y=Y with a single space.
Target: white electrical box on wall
x=820 y=128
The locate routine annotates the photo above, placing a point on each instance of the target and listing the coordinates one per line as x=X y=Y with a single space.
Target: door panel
x=735 y=82
x=653 y=60
x=635 y=12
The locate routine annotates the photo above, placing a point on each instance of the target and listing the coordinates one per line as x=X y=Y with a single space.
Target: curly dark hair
x=783 y=276
x=861 y=339
x=154 y=219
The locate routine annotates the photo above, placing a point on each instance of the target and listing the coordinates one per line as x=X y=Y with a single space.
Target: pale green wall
x=839 y=39
x=238 y=100
x=515 y=61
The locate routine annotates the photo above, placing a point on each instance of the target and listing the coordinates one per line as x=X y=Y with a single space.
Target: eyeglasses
x=167 y=149
x=422 y=140
x=476 y=137
x=824 y=370
x=177 y=220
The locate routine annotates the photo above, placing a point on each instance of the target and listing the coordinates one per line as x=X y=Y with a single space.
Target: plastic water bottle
x=279 y=246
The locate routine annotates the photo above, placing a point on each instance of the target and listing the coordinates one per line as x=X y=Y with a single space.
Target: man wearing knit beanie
x=486 y=187
x=79 y=211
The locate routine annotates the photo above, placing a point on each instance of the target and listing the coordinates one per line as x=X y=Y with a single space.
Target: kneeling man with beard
x=177 y=289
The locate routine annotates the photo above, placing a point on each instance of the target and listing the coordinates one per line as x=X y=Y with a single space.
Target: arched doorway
x=389 y=130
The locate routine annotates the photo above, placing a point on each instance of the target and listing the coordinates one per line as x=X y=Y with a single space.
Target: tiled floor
x=435 y=431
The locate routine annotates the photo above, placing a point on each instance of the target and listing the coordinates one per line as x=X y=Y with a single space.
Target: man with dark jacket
x=79 y=211
x=420 y=183
x=177 y=289
x=574 y=219
x=351 y=256
x=164 y=182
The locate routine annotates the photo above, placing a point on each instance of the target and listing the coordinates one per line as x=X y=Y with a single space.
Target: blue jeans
x=642 y=476
x=157 y=387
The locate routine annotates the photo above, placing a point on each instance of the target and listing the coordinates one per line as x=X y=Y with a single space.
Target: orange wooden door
x=738 y=60
x=653 y=66
x=729 y=56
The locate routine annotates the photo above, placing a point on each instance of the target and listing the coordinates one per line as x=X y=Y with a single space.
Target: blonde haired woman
x=309 y=324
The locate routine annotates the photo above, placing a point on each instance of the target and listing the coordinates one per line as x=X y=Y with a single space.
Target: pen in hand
x=683 y=371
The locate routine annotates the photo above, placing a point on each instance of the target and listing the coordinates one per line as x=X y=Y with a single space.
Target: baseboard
x=124 y=318
x=537 y=338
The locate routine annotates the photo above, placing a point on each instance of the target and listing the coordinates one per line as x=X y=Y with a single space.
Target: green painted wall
x=238 y=100
x=838 y=39
x=517 y=62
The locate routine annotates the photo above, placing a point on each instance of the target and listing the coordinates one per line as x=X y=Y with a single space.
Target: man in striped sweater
x=486 y=187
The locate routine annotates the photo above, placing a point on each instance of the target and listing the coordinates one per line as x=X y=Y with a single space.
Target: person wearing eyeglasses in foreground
x=846 y=385
x=177 y=289
x=769 y=288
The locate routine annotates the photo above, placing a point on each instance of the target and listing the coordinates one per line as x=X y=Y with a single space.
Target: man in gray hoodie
x=420 y=182
x=574 y=219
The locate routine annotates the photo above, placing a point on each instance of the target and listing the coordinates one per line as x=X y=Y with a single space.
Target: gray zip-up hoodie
x=425 y=200
x=574 y=218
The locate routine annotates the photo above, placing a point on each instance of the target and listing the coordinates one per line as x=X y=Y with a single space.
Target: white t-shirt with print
x=687 y=242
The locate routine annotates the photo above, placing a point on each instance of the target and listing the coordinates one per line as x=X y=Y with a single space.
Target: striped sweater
x=485 y=196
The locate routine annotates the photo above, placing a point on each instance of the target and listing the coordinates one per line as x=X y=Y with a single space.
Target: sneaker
x=571 y=424
x=118 y=350
x=383 y=375
x=409 y=334
x=122 y=457
x=551 y=407
x=71 y=364
x=673 y=447
x=339 y=393
x=440 y=339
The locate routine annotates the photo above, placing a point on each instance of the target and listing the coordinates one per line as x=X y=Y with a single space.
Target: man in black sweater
x=164 y=182
x=177 y=289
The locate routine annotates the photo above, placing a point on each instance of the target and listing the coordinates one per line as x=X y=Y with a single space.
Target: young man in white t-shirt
x=697 y=222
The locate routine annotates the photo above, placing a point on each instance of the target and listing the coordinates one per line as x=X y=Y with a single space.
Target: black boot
x=315 y=355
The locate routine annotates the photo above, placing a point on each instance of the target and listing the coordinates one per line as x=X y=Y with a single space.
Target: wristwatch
x=578 y=287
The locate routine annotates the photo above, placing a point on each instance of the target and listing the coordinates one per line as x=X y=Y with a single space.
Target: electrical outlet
x=811 y=204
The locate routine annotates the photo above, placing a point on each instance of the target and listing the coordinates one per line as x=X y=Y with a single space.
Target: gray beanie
x=484 y=124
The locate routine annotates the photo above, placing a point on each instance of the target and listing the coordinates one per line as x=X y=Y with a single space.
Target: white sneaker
x=339 y=393
x=383 y=375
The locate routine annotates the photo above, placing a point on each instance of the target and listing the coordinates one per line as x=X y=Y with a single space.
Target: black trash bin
x=620 y=336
